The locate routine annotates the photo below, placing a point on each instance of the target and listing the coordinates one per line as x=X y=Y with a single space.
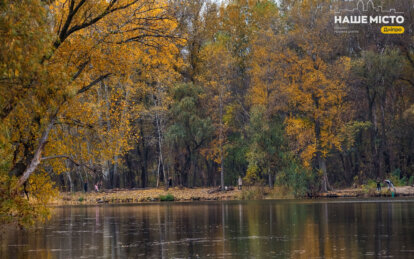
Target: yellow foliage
x=79 y=67
x=307 y=81
x=17 y=208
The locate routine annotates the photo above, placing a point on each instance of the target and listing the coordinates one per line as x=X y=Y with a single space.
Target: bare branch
x=411 y=82
x=108 y=10
x=81 y=68
x=70 y=159
x=99 y=79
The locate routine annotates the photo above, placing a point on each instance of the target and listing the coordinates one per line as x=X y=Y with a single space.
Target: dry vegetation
x=142 y=195
x=194 y=194
x=370 y=192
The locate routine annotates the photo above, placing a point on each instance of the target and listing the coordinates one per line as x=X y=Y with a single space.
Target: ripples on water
x=254 y=229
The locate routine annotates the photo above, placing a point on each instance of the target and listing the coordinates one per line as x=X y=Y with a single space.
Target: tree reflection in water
x=259 y=229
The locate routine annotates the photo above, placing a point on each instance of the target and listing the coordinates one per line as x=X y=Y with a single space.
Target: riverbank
x=143 y=195
x=117 y=196
x=401 y=191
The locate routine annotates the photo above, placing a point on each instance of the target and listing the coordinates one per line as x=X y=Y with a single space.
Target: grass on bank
x=168 y=197
x=195 y=194
x=264 y=192
x=142 y=195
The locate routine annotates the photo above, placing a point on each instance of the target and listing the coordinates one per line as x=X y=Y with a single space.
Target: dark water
x=255 y=229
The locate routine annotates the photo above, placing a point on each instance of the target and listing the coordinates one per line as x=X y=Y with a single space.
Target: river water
x=228 y=229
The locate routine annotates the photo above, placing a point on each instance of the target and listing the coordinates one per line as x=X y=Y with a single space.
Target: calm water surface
x=254 y=229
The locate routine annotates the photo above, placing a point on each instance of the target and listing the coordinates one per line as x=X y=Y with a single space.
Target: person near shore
x=85 y=186
x=240 y=183
x=390 y=185
x=96 y=187
x=378 y=185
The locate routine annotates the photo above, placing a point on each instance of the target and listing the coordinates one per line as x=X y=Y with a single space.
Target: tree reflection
x=260 y=229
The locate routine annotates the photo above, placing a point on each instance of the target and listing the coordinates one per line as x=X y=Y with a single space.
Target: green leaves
x=191 y=126
x=266 y=140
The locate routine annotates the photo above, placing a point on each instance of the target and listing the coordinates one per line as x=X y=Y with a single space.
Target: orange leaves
x=302 y=136
x=316 y=95
x=125 y=37
x=122 y=38
x=308 y=82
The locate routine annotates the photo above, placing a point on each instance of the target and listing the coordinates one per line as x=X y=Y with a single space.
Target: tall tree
x=79 y=45
x=217 y=70
x=190 y=131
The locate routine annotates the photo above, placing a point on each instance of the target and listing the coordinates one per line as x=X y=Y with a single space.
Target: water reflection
x=258 y=229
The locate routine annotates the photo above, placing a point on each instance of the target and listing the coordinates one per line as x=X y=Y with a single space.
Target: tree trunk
x=158 y=120
x=384 y=149
x=322 y=166
x=320 y=159
x=70 y=182
x=143 y=177
x=116 y=177
x=210 y=173
x=143 y=157
x=37 y=158
x=194 y=172
x=375 y=168
x=106 y=169
x=115 y=182
x=221 y=140
x=270 y=179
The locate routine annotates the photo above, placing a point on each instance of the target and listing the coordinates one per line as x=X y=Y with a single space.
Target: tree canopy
x=145 y=93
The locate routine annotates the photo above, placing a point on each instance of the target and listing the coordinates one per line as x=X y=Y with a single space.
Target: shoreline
x=151 y=195
x=141 y=196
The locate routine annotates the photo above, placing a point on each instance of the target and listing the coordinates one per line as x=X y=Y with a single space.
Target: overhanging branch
x=94 y=82
x=70 y=159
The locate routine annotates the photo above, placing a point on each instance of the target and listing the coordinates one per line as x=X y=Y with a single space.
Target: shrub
x=252 y=175
x=411 y=180
x=396 y=173
x=394 y=177
x=371 y=184
x=298 y=179
x=252 y=193
x=81 y=199
x=168 y=197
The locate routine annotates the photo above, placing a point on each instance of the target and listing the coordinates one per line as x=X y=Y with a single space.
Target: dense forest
x=148 y=93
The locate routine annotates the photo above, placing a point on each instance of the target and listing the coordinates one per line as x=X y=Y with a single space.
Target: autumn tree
x=314 y=82
x=90 y=43
x=217 y=70
x=198 y=22
x=24 y=33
